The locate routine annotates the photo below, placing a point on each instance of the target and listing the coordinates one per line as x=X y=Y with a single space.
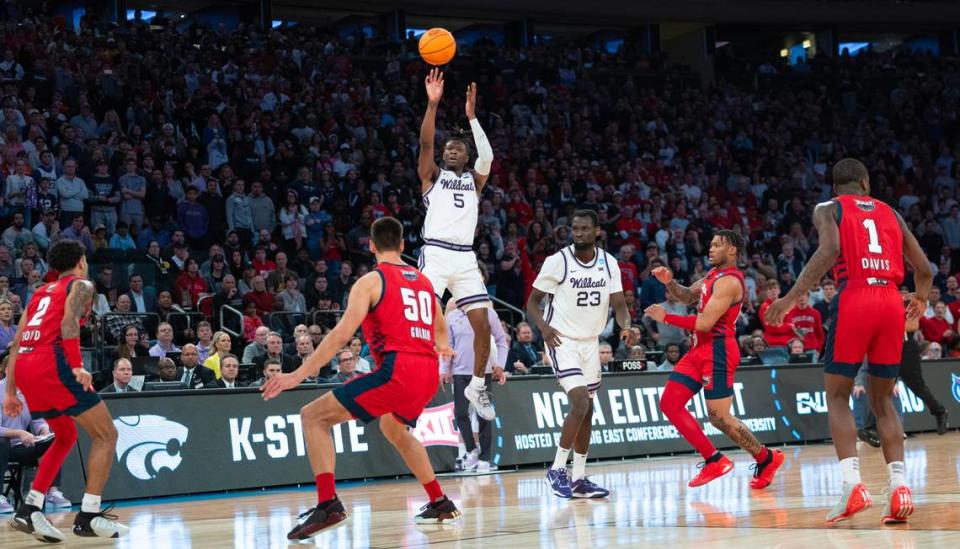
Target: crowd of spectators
x=206 y=168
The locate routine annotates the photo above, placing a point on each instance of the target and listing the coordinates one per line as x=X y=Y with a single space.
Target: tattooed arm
x=78 y=303
x=683 y=294
x=825 y=220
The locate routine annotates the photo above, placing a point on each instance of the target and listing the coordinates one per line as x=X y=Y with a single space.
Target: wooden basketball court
x=650 y=503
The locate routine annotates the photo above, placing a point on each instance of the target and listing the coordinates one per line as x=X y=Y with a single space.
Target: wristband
x=688 y=323
x=71 y=350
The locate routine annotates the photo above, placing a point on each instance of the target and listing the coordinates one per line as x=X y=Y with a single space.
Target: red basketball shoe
x=763 y=474
x=899 y=506
x=852 y=502
x=711 y=471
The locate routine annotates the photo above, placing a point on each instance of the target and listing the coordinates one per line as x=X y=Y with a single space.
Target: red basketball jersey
x=726 y=325
x=45 y=315
x=871 y=243
x=402 y=321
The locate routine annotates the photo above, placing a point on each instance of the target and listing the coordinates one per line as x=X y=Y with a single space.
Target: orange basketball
x=437 y=46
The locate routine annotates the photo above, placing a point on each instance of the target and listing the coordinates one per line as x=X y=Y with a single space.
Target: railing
x=223 y=324
x=283 y=322
x=104 y=321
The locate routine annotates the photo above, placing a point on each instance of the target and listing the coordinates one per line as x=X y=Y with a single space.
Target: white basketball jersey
x=581 y=292
x=452 y=208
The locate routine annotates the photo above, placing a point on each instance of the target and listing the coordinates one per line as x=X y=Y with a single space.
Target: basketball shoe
x=585 y=488
x=711 y=469
x=29 y=519
x=481 y=401
x=471 y=459
x=855 y=498
x=763 y=472
x=321 y=517
x=103 y=524
x=899 y=506
x=559 y=482
x=442 y=511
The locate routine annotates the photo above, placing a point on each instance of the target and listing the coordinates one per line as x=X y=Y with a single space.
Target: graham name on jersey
x=875 y=264
x=456 y=184
x=587 y=282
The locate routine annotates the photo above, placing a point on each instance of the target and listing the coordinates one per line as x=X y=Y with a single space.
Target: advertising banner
x=203 y=441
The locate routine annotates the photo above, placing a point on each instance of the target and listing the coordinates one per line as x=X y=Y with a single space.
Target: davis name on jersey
x=580 y=305
x=452 y=209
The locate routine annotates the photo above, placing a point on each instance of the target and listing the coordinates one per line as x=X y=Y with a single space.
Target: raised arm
x=679 y=292
x=825 y=220
x=481 y=168
x=426 y=165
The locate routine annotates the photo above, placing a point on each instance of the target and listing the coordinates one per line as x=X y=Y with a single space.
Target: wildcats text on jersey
x=587 y=282
x=458 y=184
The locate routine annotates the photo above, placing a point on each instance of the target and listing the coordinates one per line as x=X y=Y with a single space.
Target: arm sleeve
x=500 y=337
x=551 y=274
x=484 y=151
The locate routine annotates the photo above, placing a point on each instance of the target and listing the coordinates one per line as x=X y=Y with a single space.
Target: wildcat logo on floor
x=147 y=444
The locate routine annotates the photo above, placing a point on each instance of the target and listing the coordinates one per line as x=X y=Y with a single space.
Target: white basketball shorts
x=457 y=271
x=576 y=363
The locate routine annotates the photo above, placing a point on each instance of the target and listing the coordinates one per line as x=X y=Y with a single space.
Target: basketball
x=437 y=46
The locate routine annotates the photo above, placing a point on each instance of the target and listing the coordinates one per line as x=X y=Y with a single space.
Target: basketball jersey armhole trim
x=606 y=263
x=565 y=268
x=383 y=290
x=839 y=214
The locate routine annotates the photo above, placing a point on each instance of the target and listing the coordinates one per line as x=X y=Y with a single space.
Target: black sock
x=769 y=457
x=714 y=458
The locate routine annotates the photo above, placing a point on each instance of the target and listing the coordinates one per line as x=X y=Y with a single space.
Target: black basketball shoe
x=324 y=515
x=442 y=511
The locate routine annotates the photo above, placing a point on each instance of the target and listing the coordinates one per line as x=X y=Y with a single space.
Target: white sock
x=478 y=383
x=90 y=503
x=850 y=470
x=579 y=466
x=560 y=461
x=35 y=498
x=897 y=474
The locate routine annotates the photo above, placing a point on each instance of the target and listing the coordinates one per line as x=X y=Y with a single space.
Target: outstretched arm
x=825 y=220
x=481 y=168
x=426 y=166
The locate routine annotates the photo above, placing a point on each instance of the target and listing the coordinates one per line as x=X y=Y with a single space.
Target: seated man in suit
x=167 y=370
x=524 y=351
x=195 y=375
x=229 y=370
x=122 y=374
x=142 y=300
x=275 y=351
x=346 y=367
x=271 y=367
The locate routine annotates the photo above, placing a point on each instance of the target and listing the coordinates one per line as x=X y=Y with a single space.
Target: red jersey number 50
x=417 y=306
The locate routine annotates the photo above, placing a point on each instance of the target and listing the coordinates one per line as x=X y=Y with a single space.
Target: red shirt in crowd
x=195 y=285
x=807 y=321
x=933 y=328
x=775 y=336
x=263 y=300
